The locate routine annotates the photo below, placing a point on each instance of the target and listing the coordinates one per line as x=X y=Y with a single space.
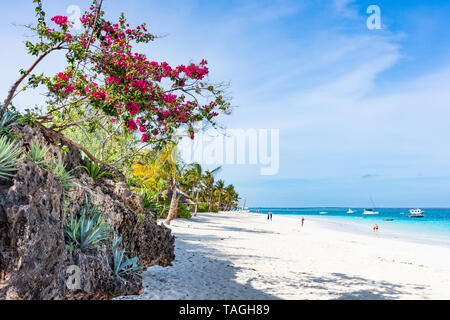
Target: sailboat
x=350 y=211
x=370 y=211
x=244 y=208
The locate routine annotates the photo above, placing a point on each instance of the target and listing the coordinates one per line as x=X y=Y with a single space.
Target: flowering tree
x=105 y=77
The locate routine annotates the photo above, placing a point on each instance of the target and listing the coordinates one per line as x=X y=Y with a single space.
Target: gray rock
x=33 y=256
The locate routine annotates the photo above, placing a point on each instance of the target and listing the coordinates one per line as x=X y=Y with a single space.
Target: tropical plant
x=9 y=155
x=231 y=197
x=87 y=230
x=94 y=170
x=219 y=192
x=208 y=181
x=7 y=119
x=194 y=176
x=65 y=177
x=37 y=154
x=106 y=79
x=122 y=266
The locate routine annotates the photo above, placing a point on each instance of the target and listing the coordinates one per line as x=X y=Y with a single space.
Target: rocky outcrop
x=141 y=234
x=32 y=248
x=95 y=280
x=34 y=262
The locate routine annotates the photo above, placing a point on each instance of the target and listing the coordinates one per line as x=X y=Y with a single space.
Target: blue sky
x=361 y=112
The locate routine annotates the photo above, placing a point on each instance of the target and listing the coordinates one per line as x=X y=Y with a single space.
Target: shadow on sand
x=202 y=272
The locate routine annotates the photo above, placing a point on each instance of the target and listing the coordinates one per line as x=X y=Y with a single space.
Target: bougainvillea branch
x=16 y=84
x=105 y=74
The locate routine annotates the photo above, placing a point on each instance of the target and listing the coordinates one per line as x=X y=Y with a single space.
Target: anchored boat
x=370 y=212
x=416 y=213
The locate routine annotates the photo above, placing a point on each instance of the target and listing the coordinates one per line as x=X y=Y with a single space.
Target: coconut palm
x=231 y=196
x=194 y=177
x=208 y=181
x=219 y=191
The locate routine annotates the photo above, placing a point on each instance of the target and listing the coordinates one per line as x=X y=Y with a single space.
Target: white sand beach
x=244 y=256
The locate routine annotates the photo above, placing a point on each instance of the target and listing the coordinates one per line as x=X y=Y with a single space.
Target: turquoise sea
x=434 y=228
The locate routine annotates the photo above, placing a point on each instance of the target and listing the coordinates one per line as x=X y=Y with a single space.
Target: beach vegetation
x=58 y=168
x=9 y=156
x=37 y=154
x=122 y=110
x=123 y=266
x=87 y=229
x=94 y=170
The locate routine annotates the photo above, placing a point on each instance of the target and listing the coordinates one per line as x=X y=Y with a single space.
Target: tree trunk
x=196 y=203
x=173 y=210
x=210 y=201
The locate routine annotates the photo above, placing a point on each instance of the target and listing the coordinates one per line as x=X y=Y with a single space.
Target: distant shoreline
x=388 y=229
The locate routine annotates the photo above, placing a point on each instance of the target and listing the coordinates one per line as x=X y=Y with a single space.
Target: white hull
x=370 y=213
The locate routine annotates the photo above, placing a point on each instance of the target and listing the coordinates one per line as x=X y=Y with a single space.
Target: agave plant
x=7 y=119
x=122 y=265
x=9 y=155
x=59 y=170
x=94 y=170
x=87 y=230
x=37 y=154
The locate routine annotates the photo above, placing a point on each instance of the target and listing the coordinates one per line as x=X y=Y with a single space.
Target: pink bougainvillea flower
x=131 y=125
x=59 y=20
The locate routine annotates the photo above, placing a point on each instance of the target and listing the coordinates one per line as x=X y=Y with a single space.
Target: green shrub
x=204 y=207
x=149 y=202
x=9 y=155
x=37 y=154
x=87 y=230
x=183 y=211
x=65 y=177
x=7 y=119
x=122 y=265
x=162 y=208
x=94 y=170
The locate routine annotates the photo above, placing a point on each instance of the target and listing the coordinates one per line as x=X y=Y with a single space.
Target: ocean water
x=434 y=228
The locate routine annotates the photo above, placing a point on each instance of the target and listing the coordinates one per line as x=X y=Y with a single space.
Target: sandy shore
x=244 y=256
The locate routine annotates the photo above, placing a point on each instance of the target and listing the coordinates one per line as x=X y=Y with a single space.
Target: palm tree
x=208 y=181
x=219 y=190
x=231 y=196
x=172 y=170
x=194 y=176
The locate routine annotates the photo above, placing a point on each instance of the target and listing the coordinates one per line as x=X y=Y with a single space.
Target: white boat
x=370 y=212
x=350 y=211
x=323 y=212
x=416 y=213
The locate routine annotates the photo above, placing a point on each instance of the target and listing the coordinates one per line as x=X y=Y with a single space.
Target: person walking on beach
x=375 y=228
x=303 y=221
x=269 y=216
